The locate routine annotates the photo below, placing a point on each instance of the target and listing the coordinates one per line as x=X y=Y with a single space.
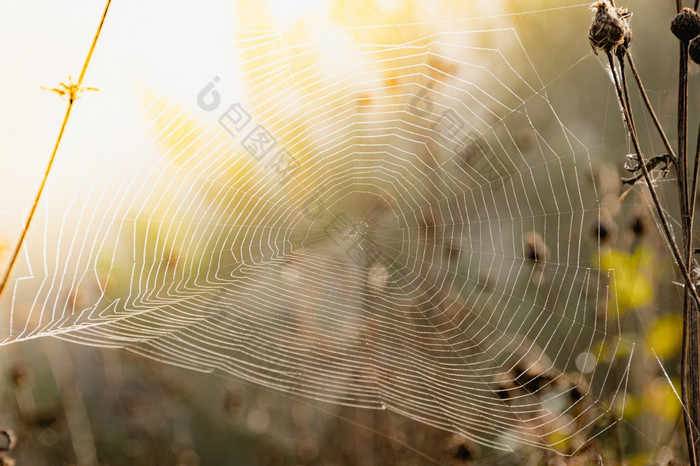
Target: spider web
x=391 y=217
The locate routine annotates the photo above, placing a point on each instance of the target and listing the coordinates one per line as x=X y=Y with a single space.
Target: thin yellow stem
x=71 y=100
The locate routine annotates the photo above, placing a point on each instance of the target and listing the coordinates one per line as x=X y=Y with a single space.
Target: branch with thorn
x=71 y=90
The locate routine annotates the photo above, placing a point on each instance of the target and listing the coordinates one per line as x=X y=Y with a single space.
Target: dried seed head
x=8 y=440
x=694 y=50
x=505 y=388
x=626 y=42
x=638 y=227
x=461 y=449
x=533 y=377
x=609 y=30
x=686 y=25
x=641 y=223
x=605 y=228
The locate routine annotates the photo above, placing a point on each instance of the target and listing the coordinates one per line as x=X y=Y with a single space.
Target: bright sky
x=173 y=47
x=42 y=43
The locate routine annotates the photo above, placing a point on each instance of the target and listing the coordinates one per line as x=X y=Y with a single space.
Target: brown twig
x=688 y=424
x=690 y=359
x=692 y=341
x=690 y=287
x=627 y=116
x=694 y=184
x=618 y=39
x=689 y=353
x=71 y=100
x=683 y=127
x=651 y=164
x=621 y=61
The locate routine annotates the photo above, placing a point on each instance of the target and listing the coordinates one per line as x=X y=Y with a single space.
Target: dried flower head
x=686 y=25
x=693 y=50
x=641 y=222
x=609 y=29
x=605 y=228
x=621 y=49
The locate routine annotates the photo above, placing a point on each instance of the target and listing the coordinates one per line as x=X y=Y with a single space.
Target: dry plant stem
x=689 y=353
x=683 y=130
x=692 y=345
x=621 y=61
x=94 y=42
x=692 y=368
x=650 y=109
x=694 y=185
x=654 y=195
x=28 y=222
x=689 y=412
x=690 y=428
x=23 y=235
x=690 y=318
x=694 y=323
x=652 y=163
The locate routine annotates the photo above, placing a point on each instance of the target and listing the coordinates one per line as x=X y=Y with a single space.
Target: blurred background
x=82 y=404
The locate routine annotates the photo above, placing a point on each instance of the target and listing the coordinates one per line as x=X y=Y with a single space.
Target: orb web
x=398 y=223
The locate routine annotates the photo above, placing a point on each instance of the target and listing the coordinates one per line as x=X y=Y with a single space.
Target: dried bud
x=686 y=25
x=694 y=50
x=609 y=30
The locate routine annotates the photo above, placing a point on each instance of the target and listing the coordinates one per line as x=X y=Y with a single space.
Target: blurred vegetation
x=78 y=405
